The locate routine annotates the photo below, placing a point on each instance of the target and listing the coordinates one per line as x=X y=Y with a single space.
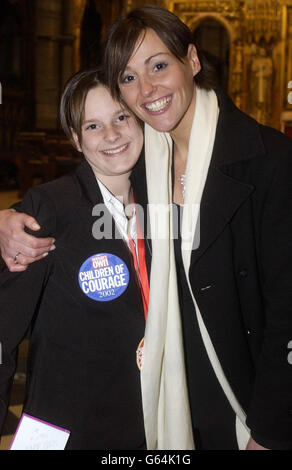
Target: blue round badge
x=103 y=277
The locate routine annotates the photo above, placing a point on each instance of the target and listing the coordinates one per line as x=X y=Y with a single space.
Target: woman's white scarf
x=164 y=390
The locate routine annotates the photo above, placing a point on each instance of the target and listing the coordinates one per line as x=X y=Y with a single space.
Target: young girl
x=83 y=301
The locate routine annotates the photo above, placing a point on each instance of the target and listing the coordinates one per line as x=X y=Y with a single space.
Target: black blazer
x=82 y=371
x=245 y=255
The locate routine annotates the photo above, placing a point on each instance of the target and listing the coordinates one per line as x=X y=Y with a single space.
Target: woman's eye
x=127 y=79
x=160 y=66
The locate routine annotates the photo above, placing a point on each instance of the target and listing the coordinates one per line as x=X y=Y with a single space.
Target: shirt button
x=243 y=273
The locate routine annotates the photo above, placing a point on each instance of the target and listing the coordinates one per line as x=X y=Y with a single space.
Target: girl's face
x=112 y=140
x=157 y=86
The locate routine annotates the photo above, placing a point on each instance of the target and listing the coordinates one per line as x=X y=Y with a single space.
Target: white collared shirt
x=117 y=211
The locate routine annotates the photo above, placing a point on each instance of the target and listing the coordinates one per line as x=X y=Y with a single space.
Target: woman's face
x=112 y=140
x=157 y=86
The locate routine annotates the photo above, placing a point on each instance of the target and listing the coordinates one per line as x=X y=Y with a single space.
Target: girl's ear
x=194 y=59
x=76 y=140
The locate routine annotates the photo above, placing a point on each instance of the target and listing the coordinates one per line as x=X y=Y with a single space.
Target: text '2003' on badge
x=103 y=277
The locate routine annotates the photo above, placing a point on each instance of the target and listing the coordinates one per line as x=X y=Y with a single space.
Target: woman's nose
x=146 y=86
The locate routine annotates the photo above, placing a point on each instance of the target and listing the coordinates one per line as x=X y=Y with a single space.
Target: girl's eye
x=123 y=117
x=91 y=127
x=160 y=66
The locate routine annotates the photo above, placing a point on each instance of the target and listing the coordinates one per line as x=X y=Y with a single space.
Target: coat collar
x=237 y=139
x=89 y=185
x=91 y=189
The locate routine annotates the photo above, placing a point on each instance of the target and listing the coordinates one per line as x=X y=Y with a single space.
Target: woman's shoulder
x=277 y=160
x=275 y=140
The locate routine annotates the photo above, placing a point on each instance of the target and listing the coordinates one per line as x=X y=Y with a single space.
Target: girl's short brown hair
x=73 y=100
x=124 y=33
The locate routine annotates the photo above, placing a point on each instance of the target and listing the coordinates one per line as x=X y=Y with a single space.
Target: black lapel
x=237 y=139
x=138 y=181
x=90 y=196
x=89 y=186
x=221 y=198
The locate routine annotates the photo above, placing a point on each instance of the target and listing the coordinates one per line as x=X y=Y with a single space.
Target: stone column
x=47 y=62
x=288 y=84
x=79 y=7
x=67 y=43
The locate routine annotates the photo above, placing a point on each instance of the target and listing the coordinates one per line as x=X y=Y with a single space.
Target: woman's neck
x=181 y=133
x=181 y=138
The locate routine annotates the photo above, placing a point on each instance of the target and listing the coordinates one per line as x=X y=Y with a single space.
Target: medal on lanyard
x=142 y=274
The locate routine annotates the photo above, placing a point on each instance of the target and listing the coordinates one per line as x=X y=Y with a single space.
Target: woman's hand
x=18 y=248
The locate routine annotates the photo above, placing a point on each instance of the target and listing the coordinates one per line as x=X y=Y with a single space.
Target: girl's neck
x=119 y=186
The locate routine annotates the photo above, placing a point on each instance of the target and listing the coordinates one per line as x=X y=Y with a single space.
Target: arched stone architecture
x=213 y=38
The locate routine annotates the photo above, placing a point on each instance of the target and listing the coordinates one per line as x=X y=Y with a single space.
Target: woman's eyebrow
x=155 y=55
x=146 y=61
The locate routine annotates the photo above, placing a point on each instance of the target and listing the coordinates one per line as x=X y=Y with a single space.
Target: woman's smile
x=158 y=106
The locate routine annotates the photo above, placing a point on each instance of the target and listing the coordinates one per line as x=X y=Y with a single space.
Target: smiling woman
x=152 y=64
x=202 y=152
x=174 y=34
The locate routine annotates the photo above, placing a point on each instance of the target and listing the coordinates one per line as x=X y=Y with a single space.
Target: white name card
x=35 y=434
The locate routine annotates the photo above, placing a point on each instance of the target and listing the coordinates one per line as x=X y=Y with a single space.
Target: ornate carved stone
x=260 y=62
x=262 y=20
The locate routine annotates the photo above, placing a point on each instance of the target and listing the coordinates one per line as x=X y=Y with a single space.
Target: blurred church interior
x=43 y=42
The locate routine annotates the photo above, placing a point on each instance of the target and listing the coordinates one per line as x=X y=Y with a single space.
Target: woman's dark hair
x=73 y=100
x=124 y=33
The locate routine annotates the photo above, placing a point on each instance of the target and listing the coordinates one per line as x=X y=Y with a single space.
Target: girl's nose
x=111 y=134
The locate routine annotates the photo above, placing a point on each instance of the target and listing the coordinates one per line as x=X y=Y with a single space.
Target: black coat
x=82 y=373
x=245 y=255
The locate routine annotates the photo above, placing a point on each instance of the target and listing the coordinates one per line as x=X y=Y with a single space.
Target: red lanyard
x=140 y=265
